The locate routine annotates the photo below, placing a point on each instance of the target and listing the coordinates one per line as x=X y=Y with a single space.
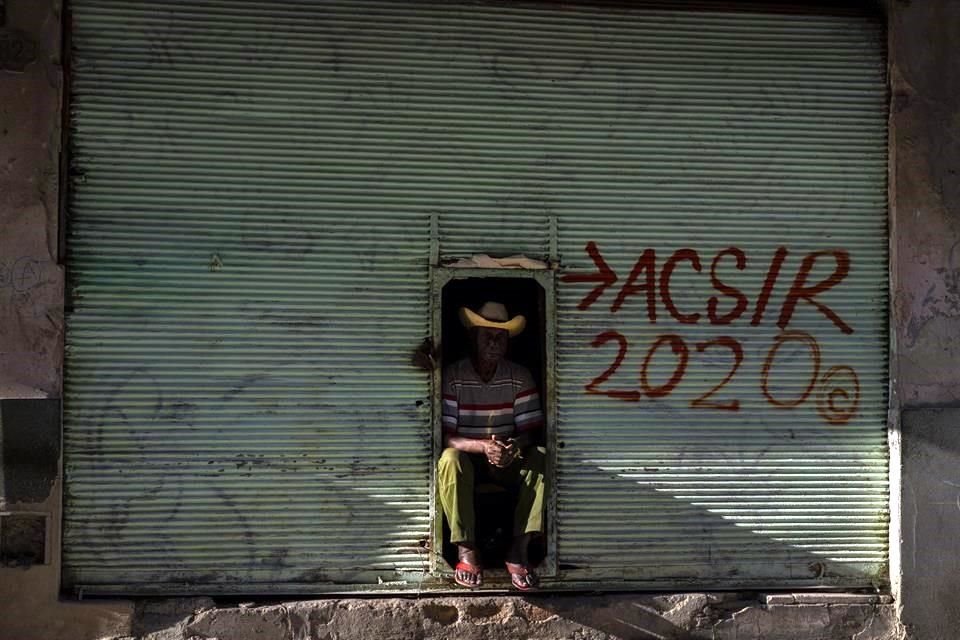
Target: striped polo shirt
x=504 y=406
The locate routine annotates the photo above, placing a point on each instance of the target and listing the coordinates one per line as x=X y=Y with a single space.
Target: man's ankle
x=517 y=553
x=467 y=552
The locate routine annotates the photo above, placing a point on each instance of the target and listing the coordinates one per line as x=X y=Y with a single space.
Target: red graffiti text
x=648 y=283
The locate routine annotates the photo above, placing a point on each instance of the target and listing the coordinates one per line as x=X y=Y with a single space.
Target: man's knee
x=454 y=461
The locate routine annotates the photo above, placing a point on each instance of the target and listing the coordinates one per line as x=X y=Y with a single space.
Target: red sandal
x=473 y=570
x=519 y=575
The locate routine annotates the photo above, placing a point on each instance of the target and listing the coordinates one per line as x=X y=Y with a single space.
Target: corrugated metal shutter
x=250 y=283
x=250 y=251
x=745 y=131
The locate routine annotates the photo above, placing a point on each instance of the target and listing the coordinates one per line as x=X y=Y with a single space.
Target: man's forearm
x=467 y=445
x=474 y=445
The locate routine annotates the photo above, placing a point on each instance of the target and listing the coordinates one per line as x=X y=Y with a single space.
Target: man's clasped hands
x=501 y=453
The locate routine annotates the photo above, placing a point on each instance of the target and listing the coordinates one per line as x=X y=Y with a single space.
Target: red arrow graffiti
x=604 y=276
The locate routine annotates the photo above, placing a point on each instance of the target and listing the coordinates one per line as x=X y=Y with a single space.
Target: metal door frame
x=439 y=278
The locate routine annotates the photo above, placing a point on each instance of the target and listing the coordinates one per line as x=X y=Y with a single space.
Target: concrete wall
x=925 y=227
x=31 y=278
x=925 y=139
x=931 y=507
x=31 y=323
x=925 y=171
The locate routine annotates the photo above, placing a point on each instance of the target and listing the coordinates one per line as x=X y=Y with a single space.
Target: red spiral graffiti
x=838 y=404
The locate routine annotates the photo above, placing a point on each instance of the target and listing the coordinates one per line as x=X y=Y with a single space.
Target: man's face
x=491 y=344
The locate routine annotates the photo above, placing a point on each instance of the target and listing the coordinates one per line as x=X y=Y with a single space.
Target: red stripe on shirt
x=528 y=392
x=487 y=407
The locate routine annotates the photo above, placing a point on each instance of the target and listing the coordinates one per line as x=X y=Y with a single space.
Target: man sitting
x=491 y=415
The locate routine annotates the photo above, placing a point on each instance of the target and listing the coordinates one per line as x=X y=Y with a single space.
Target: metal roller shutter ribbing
x=250 y=239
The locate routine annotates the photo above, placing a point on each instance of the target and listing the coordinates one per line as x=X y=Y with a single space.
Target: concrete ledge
x=828 y=598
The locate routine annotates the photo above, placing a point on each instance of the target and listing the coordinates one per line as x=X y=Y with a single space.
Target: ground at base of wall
x=592 y=617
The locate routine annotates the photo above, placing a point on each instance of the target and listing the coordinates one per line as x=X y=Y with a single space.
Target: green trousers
x=458 y=473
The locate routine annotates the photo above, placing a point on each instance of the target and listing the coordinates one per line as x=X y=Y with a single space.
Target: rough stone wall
x=693 y=616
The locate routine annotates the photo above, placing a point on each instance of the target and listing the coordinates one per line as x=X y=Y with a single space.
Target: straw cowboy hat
x=493 y=315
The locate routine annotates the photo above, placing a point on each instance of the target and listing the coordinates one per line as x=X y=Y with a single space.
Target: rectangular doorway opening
x=526 y=293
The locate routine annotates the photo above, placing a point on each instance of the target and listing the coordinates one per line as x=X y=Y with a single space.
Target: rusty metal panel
x=250 y=246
